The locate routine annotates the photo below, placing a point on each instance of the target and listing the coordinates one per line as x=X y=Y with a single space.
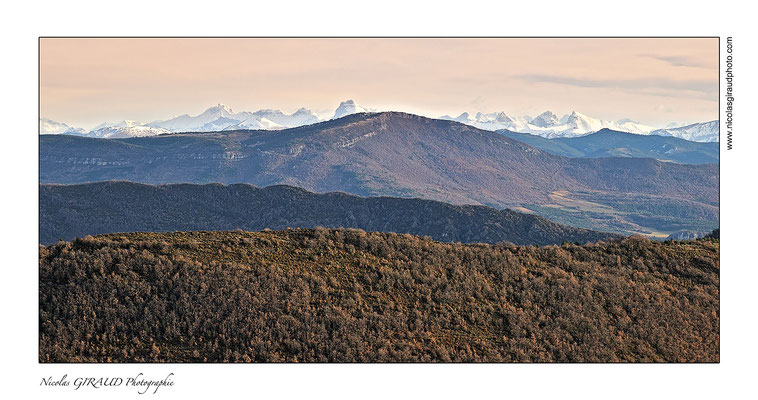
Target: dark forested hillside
x=70 y=211
x=404 y=155
x=610 y=143
x=346 y=295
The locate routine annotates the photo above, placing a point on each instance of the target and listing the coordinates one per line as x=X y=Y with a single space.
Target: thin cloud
x=662 y=108
x=678 y=61
x=478 y=101
x=708 y=88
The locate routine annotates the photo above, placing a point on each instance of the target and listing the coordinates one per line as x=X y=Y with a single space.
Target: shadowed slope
x=609 y=143
x=73 y=211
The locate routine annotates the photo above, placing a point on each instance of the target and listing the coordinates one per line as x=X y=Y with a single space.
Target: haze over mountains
x=221 y=117
x=404 y=155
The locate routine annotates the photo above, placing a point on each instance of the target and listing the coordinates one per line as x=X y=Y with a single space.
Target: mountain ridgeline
x=70 y=211
x=404 y=155
x=609 y=143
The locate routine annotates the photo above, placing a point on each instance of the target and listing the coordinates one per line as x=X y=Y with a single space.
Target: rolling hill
x=404 y=155
x=70 y=211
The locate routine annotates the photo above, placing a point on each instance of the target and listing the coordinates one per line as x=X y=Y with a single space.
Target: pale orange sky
x=85 y=82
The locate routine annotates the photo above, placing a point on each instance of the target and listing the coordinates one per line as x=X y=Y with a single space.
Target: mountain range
x=405 y=155
x=71 y=211
x=50 y=127
x=216 y=118
x=549 y=126
x=221 y=117
x=610 y=143
x=699 y=132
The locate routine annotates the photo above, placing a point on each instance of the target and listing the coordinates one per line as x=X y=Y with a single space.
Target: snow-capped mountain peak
x=219 y=117
x=545 y=120
x=222 y=118
x=698 y=132
x=123 y=124
x=549 y=125
x=220 y=109
x=490 y=121
x=346 y=108
x=50 y=127
x=503 y=117
x=124 y=129
x=581 y=123
x=464 y=117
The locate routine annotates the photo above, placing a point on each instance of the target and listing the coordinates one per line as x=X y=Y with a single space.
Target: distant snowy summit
x=124 y=129
x=221 y=117
x=50 y=127
x=699 y=132
x=347 y=108
x=548 y=125
x=216 y=118
x=546 y=120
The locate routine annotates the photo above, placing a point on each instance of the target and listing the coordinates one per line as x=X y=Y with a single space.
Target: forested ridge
x=344 y=295
x=71 y=211
x=610 y=143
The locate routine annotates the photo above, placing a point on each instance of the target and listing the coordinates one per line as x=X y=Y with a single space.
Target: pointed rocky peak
x=503 y=117
x=220 y=109
x=546 y=120
x=303 y=111
x=269 y=112
x=577 y=117
x=346 y=108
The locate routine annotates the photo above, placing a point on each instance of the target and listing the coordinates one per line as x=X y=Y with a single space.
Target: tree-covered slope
x=70 y=211
x=350 y=296
x=610 y=143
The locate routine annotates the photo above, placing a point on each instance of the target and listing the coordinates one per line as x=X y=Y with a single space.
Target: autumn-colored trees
x=342 y=295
